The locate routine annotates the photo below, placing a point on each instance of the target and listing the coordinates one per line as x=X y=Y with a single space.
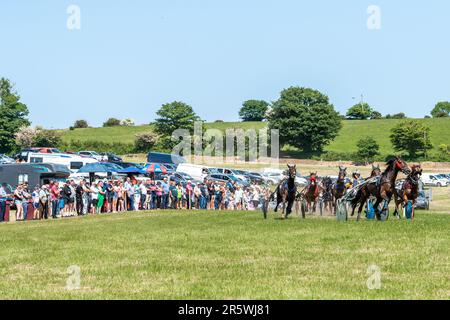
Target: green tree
x=400 y=115
x=173 y=116
x=376 y=115
x=13 y=116
x=360 y=111
x=80 y=124
x=305 y=119
x=144 y=142
x=368 y=149
x=112 y=122
x=48 y=139
x=441 y=110
x=411 y=136
x=254 y=110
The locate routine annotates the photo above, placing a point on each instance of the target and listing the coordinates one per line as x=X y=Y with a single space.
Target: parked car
x=183 y=178
x=433 y=180
x=93 y=154
x=111 y=157
x=196 y=171
x=423 y=202
x=240 y=174
x=4 y=159
x=273 y=177
x=226 y=178
x=444 y=177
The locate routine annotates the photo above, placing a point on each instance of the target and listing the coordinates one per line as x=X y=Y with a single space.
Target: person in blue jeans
x=165 y=193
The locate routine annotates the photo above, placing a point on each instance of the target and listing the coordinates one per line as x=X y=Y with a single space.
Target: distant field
x=351 y=132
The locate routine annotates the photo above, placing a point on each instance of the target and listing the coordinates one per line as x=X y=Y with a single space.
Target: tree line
x=305 y=118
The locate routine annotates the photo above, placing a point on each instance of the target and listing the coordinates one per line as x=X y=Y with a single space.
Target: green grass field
x=225 y=255
x=351 y=132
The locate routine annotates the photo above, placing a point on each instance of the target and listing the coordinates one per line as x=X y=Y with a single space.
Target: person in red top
x=54 y=198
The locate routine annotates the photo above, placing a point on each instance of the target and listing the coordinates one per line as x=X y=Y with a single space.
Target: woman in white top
x=94 y=197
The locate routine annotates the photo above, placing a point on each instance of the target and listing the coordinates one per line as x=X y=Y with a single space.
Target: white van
x=72 y=161
x=195 y=171
x=433 y=180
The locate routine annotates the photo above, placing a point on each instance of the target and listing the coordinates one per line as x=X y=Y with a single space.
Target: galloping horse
x=312 y=192
x=327 y=193
x=409 y=190
x=286 y=192
x=339 y=188
x=386 y=185
x=365 y=192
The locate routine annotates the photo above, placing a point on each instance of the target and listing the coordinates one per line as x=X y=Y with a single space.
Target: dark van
x=156 y=157
x=34 y=174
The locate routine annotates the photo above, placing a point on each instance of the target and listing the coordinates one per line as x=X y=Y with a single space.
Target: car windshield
x=186 y=176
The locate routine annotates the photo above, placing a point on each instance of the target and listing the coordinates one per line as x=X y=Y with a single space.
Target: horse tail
x=272 y=195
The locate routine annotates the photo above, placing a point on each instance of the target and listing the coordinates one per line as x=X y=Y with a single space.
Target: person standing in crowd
x=66 y=193
x=203 y=196
x=100 y=197
x=130 y=194
x=94 y=197
x=54 y=198
x=37 y=214
x=143 y=192
x=179 y=196
x=79 y=197
x=238 y=194
x=26 y=199
x=18 y=200
x=87 y=199
x=72 y=187
x=43 y=202
x=173 y=195
x=137 y=195
x=159 y=193
x=4 y=196
x=115 y=197
x=165 y=193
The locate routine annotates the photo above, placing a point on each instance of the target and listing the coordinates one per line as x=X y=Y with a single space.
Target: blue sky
x=129 y=57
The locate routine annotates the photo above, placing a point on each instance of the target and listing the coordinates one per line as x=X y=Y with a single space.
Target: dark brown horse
x=409 y=190
x=339 y=187
x=312 y=192
x=386 y=186
x=365 y=192
x=286 y=192
x=327 y=193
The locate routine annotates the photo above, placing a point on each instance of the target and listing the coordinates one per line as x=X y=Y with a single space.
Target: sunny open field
x=227 y=255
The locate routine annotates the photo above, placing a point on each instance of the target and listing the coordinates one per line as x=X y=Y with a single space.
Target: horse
x=286 y=192
x=386 y=185
x=327 y=193
x=311 y=192
x=339 y=188
x=409 y=190
x=365 y=192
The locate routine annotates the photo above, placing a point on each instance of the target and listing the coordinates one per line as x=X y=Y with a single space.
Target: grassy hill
x=351 y=132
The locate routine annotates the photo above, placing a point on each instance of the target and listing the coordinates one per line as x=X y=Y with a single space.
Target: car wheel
x=439 y=184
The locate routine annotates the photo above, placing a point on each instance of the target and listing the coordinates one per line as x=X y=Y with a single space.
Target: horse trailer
x=34 y=174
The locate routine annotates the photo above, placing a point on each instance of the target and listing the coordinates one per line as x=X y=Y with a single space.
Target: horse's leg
x=362 y=202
